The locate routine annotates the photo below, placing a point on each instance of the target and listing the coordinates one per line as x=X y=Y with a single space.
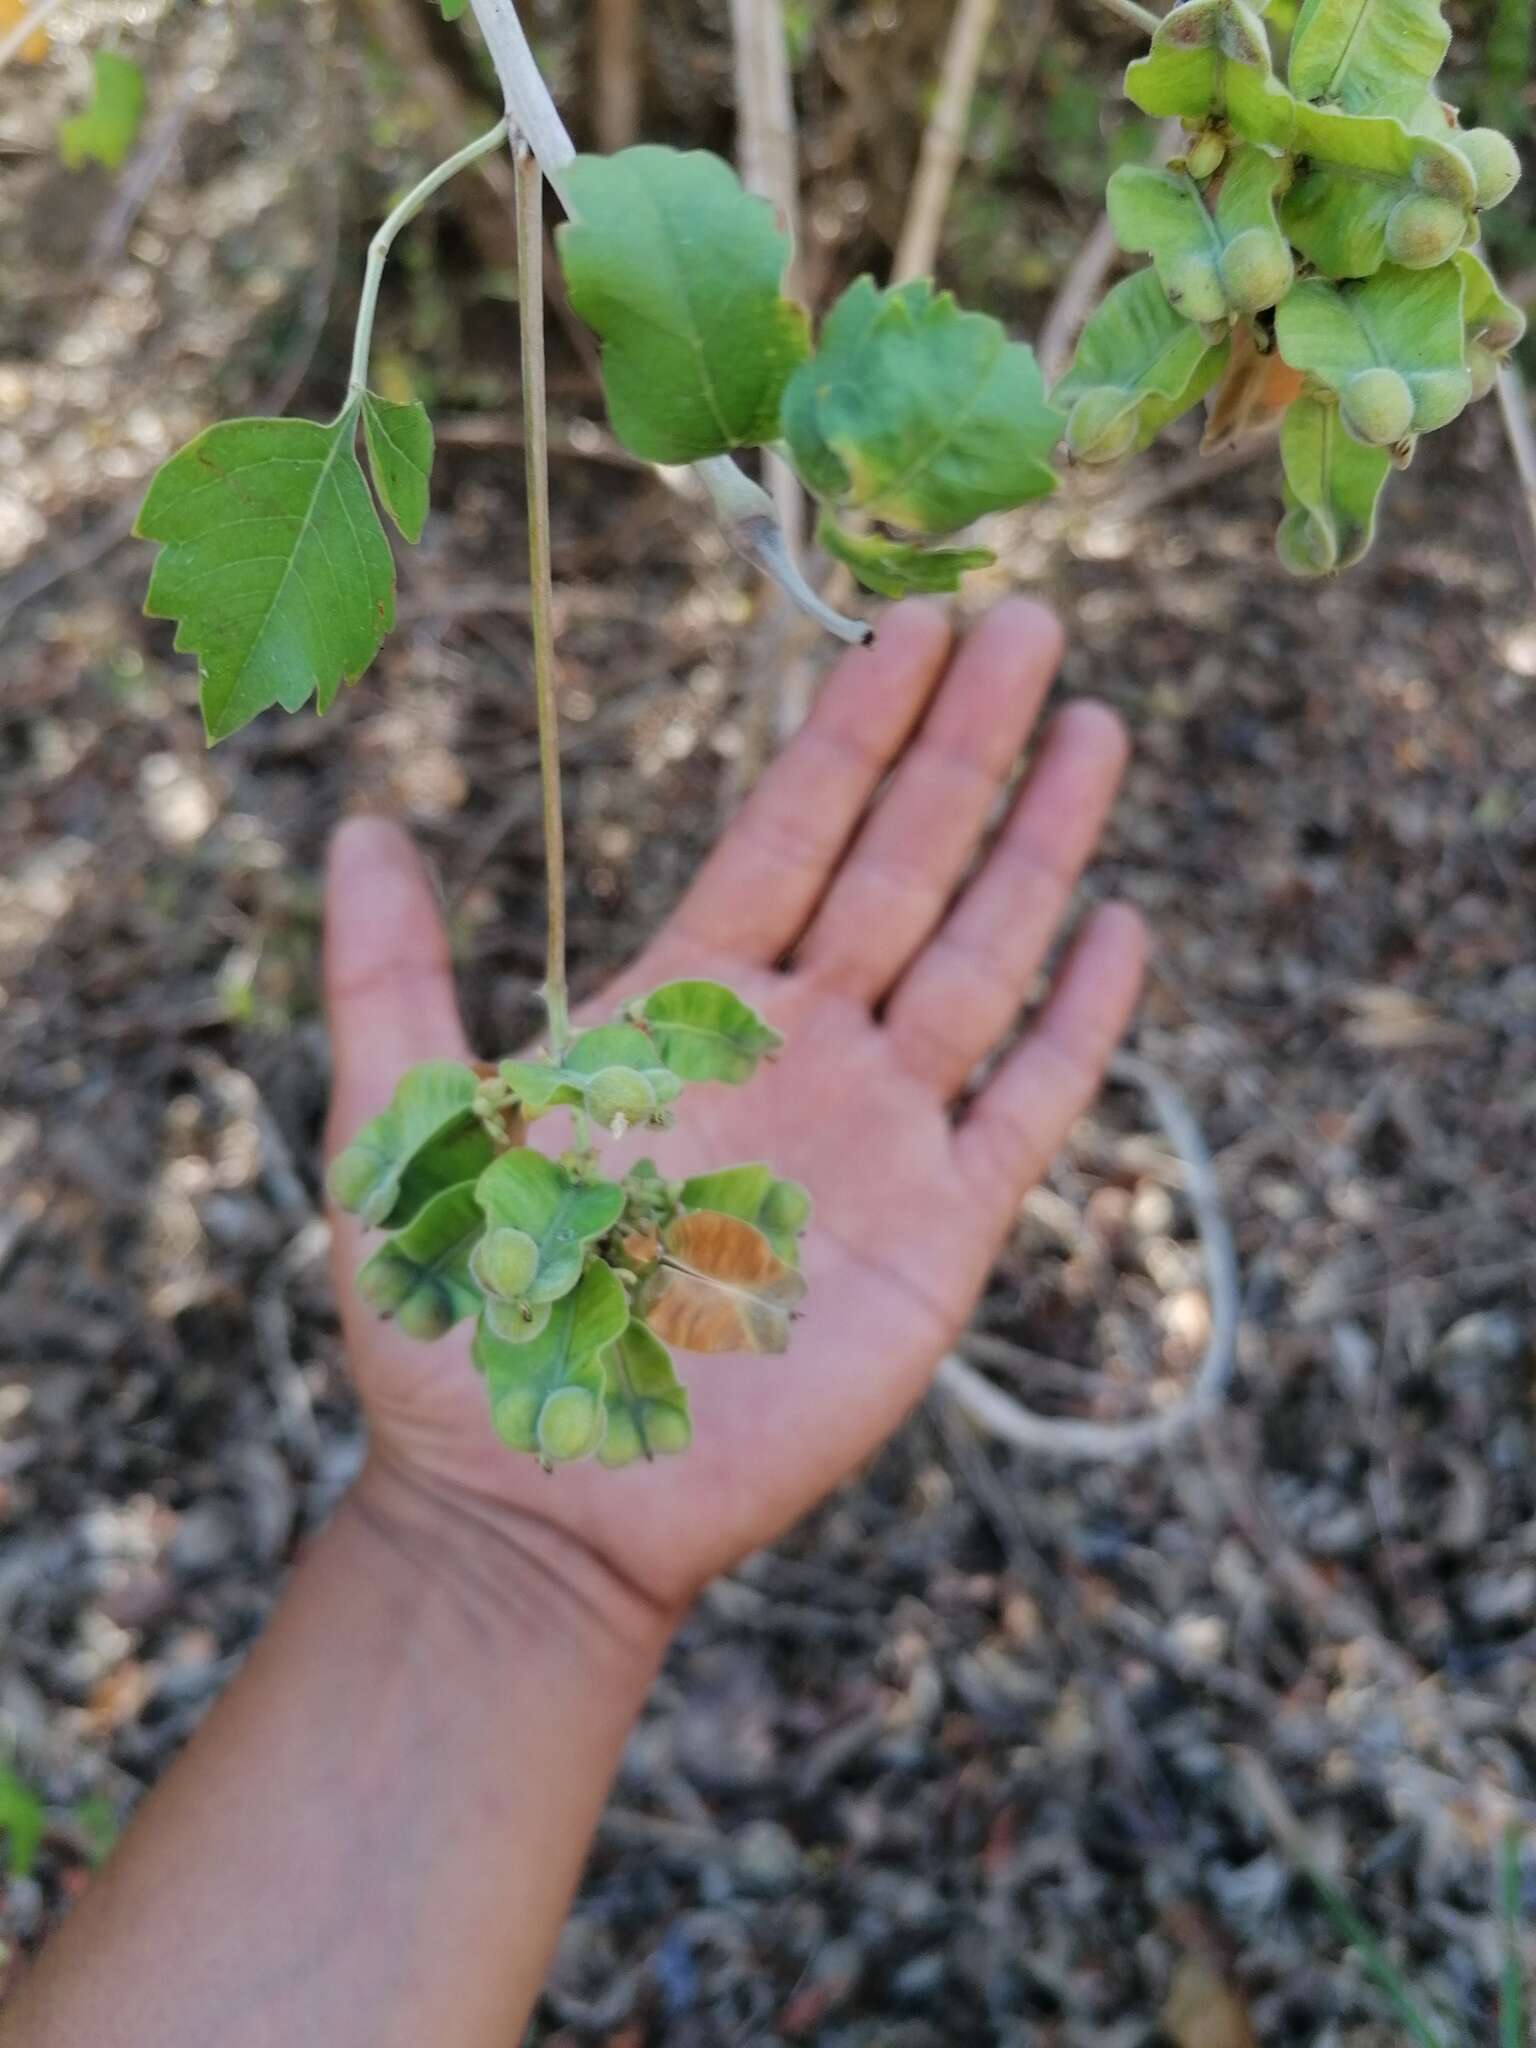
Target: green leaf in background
x=1139 y=364
x=780 y=1209
x=647 y=1404
x=427 y=1130
x=524 y=1191
x=452 y=9
x=520 y=1378
x=1211 y=261
x=104 y=133
x=1368 y=192
x=703 y=1032
x=421 y=1275
x=896 y=568
x=1367 y=56
x=1390 y=348
x=22 y=1823
x=1332 y=484
x=273 y=563
x=678 y=270
x=399 y=440
x=918 y=413
x=1210 y=61
x=1492 y=323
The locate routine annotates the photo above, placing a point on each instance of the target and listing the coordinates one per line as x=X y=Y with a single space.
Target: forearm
x=374 y=1838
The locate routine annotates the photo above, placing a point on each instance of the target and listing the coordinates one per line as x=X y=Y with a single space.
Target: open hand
x=831 y=905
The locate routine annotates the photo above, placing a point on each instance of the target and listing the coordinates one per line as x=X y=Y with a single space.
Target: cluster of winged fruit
x=577 y=1282
x=1314 y=252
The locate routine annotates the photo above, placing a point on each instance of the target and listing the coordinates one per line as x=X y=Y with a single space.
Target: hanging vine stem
x=530 y=307
x=743 y=507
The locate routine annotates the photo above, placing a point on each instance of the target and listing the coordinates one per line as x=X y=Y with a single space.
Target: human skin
x=373 y=1839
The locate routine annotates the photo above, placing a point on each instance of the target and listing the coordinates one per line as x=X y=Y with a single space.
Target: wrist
x=510 y=1571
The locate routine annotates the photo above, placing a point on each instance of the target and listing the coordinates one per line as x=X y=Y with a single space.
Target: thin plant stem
x=1138 y=17
x=530 y=307
x=1511 y=1989
x=379 y=247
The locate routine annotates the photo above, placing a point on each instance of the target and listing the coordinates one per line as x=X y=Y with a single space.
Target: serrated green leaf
x=1136 y=345
x=523 y=1190
x=780 y=1209
x=272 y=561
x=678 y=270
x=421 y=1275
x=105 y=132
x=917 y=413
x=566 y=1352
x=1212 y=261
x=410 y=1151
x=897 y=568
x=704 y=1032
x=1357 y=171
x=1408 y=322
x=1210 y=61
x=1367 y=56
x=399 y=439
x=647 y=1404
x=1332 y=484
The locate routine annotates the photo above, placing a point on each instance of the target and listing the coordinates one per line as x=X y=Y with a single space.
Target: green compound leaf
x=1210 y=61
x=1390 y=348
x=399 y=440
x=1332 y=483
x=1368 y=191
x=1212 y=262
x=678 y=269
x=273 y=562
x=897 y=568
x=105 y=132
x=540 y=1085
x=780 y=1209
x=1367 y=56
x=426 y=1140
x=520 y=1378
x=646 y=1402
x=703 y=1032
x=1139 y=364
x=917 y=413
x=524 y=1191
x=421 y=1275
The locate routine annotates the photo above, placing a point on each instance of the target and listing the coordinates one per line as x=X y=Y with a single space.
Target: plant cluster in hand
x=1313 y=255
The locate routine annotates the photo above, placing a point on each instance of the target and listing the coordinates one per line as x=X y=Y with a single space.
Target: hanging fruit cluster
x=1313 y=251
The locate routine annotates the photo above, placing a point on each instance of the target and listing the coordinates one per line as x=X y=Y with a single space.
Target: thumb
x=388 y=976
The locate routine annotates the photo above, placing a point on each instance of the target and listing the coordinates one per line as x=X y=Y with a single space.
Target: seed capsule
x=1305 y=546
x=1377 y=407
x=1438 y=396
x=570 y=1426
x=386 y=1281
x=1495 y=164
x=618 y=1097
x=504 y=1262
x=1423 y=230
x=1101 y=426
x=1193 y=286
x=353 y=1182
x=1205 y=154
x=426 y=1313
x=516 y=1322
x=1257 y=270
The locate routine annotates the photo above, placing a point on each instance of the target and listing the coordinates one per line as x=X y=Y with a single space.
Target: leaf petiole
x=379 y=247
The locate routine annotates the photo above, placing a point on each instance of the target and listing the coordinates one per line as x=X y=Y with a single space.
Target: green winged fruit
x=1423 y=230
x=1101 y=426
x=1205 y=154
x=505 y=1262
x=620 y=1097
x=570 y=1426
x=1193 y=284
x=1376 y=406
x=516 y=1322
x=425 y=1314
x=1439 y=395
x=1257 y=270
x=1494 y=162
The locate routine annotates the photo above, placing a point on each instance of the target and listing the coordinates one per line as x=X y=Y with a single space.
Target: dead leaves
x=718 y=1285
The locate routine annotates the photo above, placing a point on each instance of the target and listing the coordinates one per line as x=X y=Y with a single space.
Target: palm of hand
x=910 y=1202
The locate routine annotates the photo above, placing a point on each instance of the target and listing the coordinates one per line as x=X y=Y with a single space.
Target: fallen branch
x=1065 y=1437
